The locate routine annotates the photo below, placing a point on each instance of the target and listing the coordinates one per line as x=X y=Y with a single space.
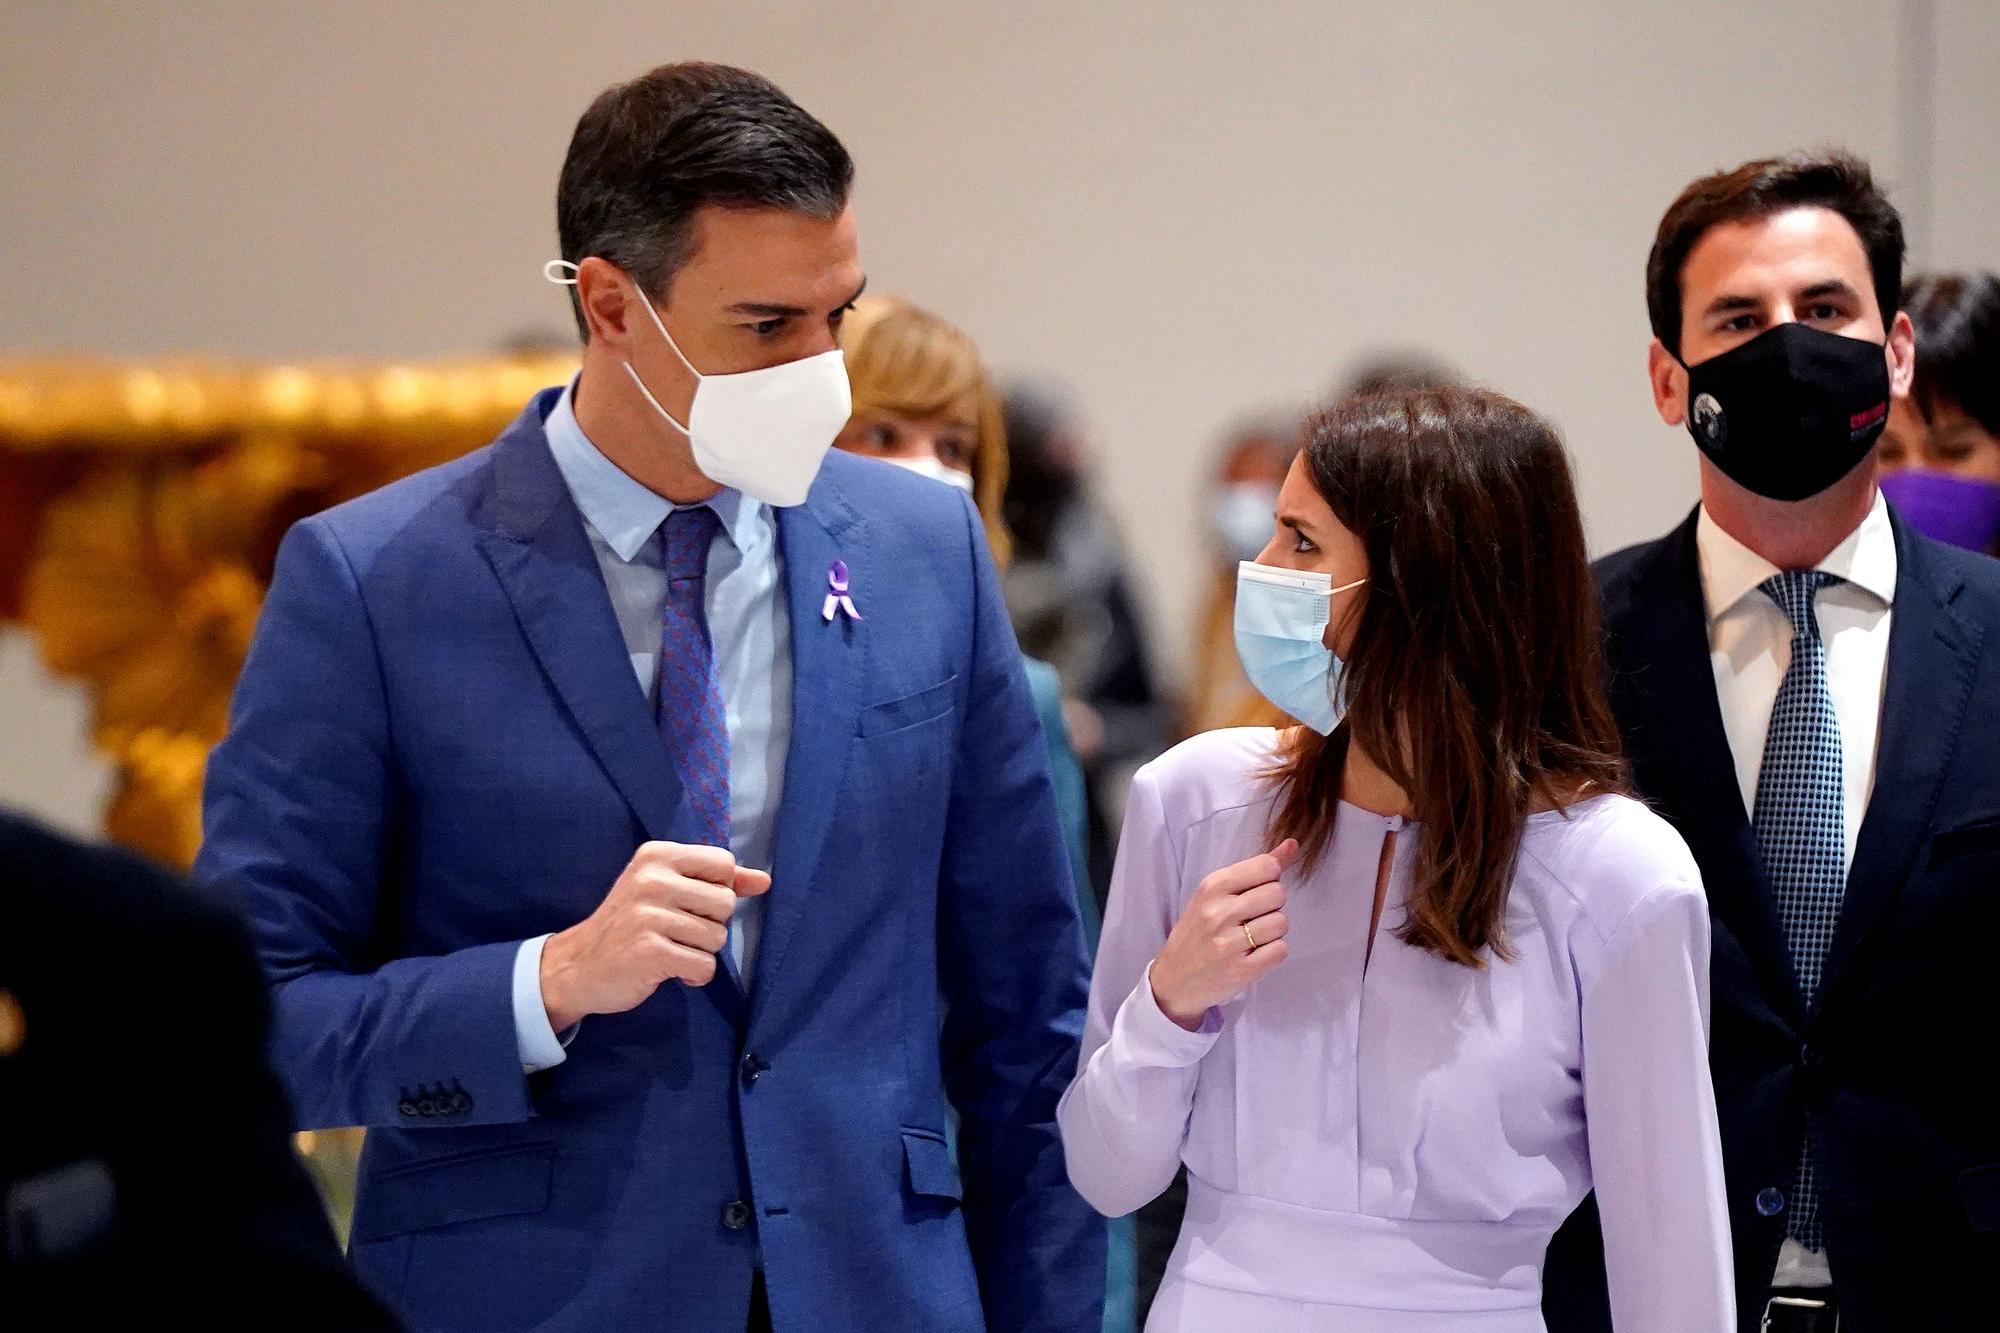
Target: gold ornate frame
x=140 y=511
x=141 y=507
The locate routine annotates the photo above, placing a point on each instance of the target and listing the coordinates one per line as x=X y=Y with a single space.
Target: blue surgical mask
x=1281 y=620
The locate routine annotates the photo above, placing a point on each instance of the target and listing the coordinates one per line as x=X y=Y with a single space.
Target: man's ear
x=602 y=289
x=1902 y=354
x=1669 y=379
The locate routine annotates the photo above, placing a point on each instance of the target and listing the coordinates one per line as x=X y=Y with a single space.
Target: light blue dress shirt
x=753 y=657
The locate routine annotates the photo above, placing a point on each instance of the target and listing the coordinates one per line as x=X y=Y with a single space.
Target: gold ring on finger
x=1248 y=936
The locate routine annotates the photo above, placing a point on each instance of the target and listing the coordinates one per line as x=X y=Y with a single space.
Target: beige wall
x=1964 y=112
x=1186 y=209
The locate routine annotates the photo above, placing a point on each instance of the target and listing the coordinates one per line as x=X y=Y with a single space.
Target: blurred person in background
x=1941 y=453
x=1074 y=606
x=1243 y=494
x=924 y=401
x=1398 y=370
x=147 y=1175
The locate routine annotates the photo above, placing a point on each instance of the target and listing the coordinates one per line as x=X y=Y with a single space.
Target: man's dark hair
x=648 y=154
x=1957 y=317
x=1839 y=182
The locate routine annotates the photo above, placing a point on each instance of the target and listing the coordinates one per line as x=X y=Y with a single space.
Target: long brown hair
x=1475 y=675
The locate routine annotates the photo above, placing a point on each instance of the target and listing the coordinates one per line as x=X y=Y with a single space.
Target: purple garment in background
x=1964 y=511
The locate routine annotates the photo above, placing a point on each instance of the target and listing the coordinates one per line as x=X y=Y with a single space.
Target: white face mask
x=927 y=465
x=1243 y=520
x=762 y=432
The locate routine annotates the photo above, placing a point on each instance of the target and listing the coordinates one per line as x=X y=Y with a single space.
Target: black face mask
x=1790 y=412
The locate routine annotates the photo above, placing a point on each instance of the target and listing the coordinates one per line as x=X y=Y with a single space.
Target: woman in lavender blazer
x=1401 y=986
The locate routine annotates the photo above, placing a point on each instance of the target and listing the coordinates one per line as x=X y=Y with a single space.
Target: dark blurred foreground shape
x=146 y=1167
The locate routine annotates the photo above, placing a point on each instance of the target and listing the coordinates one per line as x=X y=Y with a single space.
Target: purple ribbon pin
x=837 y=597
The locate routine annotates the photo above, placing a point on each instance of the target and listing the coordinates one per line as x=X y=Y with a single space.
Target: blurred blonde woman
x=1243 y=494
x=923 y=400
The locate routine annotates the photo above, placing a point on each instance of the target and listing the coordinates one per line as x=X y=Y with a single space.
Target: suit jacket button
x=407 y=1107
x=460 y=1103
x=1770 y=1202
x=753 y=1069
x=735 y=1215
x=425 y=1106
x=1813 y=1076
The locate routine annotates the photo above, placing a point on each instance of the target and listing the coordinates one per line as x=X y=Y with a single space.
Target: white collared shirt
x=1750 y=648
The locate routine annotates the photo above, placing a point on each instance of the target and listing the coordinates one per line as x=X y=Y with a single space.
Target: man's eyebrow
x=1831 y=287
x=1730 y=301
x=766 y=309
x=774 y=310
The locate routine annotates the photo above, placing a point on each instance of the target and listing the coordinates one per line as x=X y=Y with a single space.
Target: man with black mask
x=1805 y=686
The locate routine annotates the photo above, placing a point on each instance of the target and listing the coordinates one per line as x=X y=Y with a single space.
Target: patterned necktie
x=1801 y=824
x=690 y=711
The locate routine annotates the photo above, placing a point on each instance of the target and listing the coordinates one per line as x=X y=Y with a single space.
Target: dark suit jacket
x=1886 y=1063
x=146 y=1168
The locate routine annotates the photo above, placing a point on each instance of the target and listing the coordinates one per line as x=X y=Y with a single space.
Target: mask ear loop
x=1337 y=690
x=1326 y=604
x=647 y=301
x=562 y=273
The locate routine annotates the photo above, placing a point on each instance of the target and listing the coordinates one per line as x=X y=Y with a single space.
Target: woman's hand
x=1231 y=934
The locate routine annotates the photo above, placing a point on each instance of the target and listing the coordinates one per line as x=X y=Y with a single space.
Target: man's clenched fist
x=665 y=919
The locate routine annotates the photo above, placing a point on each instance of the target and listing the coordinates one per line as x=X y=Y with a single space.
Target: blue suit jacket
x=438 y=749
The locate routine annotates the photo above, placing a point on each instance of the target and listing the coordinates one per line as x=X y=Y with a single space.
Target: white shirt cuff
x=539 y=1046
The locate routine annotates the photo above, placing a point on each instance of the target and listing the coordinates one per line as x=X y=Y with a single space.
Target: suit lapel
x=828 y=675
x=1933 y=653
x=542 y=556
x=1696 y=773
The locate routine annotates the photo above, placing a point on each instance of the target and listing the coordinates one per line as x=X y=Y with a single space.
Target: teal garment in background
x=1067 y=775
x=1122 y=1270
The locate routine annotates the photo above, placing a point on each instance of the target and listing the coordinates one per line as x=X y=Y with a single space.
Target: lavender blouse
x=1387 y=1147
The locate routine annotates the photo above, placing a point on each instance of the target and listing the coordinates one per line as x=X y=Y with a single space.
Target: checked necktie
x=1801 y=825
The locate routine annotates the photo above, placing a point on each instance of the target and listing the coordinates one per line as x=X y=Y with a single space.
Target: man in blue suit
x=645 y=820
